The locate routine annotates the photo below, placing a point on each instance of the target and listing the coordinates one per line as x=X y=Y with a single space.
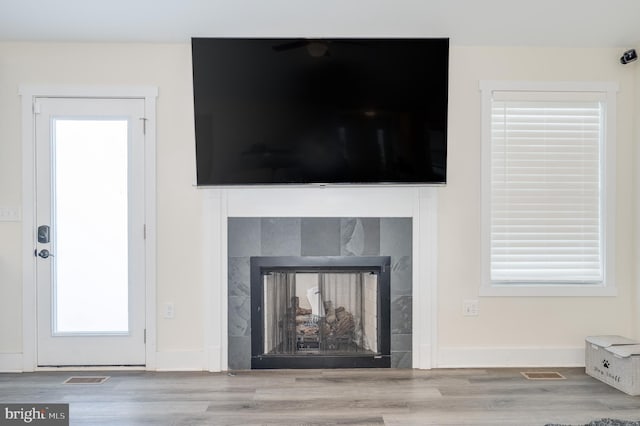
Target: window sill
x=547 y=291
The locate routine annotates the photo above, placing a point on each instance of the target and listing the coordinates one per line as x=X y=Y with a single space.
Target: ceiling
x=562 y=23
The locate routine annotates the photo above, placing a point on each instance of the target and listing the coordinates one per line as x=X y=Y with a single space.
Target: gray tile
x=371 y=228
x=239 y=276
x=239 y=315
x=396 y=236
x=320 y=236
x=401 y=276
x=401 y=315
x=239 y=353
x=401 y=342
x=360 y=237
x=401 y=360
x=243 y=236
x=280 y=237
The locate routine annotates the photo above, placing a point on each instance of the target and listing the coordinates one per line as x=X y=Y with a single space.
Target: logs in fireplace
x=320 y=312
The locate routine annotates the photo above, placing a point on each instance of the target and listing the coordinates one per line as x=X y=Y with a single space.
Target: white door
x=90 y=231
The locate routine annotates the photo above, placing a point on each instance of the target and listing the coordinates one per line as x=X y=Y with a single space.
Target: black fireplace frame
x=379 y=265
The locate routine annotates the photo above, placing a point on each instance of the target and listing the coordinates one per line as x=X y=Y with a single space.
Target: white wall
x=504 y=323
x=169 y=68
x=526 y=324
x=636 y=213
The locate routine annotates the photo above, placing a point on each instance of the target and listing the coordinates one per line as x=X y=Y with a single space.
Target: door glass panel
x=90 y=223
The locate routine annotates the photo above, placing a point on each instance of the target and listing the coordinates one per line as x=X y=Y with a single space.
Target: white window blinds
x=546 y=224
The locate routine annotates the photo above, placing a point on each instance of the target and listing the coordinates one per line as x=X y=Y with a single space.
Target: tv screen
x=323 y=111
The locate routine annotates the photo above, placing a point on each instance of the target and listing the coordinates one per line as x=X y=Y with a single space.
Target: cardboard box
x=614 y=360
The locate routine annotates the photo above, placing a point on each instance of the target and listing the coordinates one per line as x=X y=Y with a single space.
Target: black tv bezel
x=311 y=183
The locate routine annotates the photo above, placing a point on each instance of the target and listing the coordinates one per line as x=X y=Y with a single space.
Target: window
x=548 y=188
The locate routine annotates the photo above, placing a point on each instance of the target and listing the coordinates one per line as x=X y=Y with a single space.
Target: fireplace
x=306 y=237
x=320 y=312
x=399 y=222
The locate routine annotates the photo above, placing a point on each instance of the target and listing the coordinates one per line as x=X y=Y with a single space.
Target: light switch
x=9 y=214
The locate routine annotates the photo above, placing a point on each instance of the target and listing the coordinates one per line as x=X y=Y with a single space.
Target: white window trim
x=608 y=288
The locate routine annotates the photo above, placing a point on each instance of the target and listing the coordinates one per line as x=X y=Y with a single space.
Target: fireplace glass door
x=320 y=312
x=324 y=313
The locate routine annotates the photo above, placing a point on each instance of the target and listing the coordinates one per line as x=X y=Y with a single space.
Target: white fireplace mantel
x=416 y=202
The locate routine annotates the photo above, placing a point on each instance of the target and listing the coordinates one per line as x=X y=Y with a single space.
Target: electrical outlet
x=470 y=308
x=169 y=312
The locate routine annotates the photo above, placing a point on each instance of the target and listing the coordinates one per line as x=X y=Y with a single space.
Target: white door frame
x=29 y=310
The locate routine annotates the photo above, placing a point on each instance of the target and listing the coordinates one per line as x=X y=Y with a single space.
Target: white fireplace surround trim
x=416 y=202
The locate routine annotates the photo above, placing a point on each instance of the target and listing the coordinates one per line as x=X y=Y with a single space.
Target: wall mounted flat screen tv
x=320 y=111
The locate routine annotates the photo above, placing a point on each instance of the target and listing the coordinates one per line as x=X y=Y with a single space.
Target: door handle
x=44 y=253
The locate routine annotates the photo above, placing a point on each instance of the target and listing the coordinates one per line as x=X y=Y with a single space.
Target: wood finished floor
x=326 y=397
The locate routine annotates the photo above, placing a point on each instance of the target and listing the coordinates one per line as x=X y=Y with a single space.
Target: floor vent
x=543 y=375
x=86 y=380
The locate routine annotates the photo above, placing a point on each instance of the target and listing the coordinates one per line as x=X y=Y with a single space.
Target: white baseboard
x=11 y=363
x=180 y=361
x=422 y=358
x=165 y=361
x=454 y=357
x=214 y=359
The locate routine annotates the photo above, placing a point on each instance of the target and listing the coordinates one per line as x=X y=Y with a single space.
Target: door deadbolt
x=43 y=234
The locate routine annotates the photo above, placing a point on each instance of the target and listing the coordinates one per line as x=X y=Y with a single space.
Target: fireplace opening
x=320 y=312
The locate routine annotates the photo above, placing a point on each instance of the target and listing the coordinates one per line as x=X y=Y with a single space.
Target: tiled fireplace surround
x=318 y=237
x=399 y=222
